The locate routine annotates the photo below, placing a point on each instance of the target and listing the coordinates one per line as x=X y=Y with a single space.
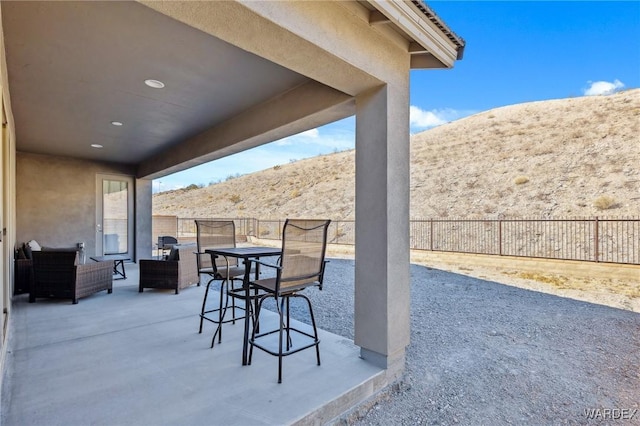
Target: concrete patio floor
x=130 y=358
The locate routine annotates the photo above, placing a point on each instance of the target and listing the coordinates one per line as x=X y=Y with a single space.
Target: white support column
x=382 y=283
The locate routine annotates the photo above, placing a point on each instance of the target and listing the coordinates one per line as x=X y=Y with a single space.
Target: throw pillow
x=34 y=246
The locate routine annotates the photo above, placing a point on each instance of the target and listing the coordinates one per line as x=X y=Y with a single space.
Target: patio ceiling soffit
x=249 y=26
x=304 y=107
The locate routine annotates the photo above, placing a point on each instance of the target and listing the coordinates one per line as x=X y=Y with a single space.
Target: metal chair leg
x=222 y=312
x=255 y=328
x=280 y=342
x=204 y=304
x=315 y=329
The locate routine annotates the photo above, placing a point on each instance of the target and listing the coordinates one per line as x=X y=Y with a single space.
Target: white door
x=114 y=215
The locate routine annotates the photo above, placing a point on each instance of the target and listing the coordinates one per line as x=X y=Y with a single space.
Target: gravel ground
x=483 y=353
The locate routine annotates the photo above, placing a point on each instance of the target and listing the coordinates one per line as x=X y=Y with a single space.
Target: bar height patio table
x=246 y=253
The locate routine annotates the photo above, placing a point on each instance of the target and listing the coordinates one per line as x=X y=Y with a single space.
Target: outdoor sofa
x=57 y=273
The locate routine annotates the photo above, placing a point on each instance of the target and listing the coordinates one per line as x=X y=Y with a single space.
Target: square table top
x=246 y=252
x=109 y=257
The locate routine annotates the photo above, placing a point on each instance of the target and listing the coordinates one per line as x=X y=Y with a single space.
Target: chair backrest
x=304 y=243
x=54 y=269
x=166 y=241
x=212 y=234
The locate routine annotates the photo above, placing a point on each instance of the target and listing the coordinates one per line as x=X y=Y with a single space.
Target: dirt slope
x=568 y=157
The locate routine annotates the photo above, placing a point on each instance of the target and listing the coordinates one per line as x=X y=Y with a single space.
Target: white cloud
x=603 y=87
x=424 y=119
x=420 y=119
x=308 y=136
x=313 y=133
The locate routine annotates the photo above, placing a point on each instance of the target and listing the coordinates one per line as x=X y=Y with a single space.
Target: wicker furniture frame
x=170 y=274
x=23 y=278
x=56 y=274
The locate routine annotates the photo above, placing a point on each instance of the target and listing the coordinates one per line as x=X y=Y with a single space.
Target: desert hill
x=570 y=157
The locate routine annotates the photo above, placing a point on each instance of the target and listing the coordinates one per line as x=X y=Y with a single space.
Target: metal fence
x=612 y=240
x=339 y=232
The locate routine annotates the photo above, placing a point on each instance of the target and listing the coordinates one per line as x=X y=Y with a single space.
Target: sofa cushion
x=64 y=249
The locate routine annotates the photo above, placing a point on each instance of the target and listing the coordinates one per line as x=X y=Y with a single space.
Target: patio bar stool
x=301 y=266
x=211 y=234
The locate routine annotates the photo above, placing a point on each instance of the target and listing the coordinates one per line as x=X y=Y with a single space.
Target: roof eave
x=439 y=47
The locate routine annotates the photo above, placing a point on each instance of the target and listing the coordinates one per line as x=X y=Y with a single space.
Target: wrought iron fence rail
x=609 y=240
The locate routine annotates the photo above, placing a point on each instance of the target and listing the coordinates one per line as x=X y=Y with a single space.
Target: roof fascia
x=410 y=20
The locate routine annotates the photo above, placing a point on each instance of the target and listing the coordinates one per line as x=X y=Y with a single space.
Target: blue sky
x=515 y=52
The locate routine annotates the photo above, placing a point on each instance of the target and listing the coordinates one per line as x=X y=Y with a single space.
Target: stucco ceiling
x=74 y=67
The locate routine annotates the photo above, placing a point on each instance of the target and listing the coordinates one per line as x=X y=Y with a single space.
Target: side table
x=118 y=264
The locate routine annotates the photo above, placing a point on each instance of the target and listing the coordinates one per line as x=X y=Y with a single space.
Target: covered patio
x=101 y=98
x=132 y=358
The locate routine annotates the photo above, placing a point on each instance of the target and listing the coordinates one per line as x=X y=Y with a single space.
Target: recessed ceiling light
x=96 y=145
x=116 y=123
x=156 y=84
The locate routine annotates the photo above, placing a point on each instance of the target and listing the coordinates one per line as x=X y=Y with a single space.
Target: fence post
x=431 y=234
x=596 y=234
x=500 y=237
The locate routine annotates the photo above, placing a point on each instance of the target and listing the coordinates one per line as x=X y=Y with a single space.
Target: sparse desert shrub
x=604 y=202
x=295 y=193
x=191 y=187
x=577 y=134
x=264 y=232
x=235 y=198
x=277 y=167
x=521 y=180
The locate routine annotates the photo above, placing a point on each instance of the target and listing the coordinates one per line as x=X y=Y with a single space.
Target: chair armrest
x=94 y=266
x=270 y=265
x=214 y=267
x=93 y=277
x=321 y=280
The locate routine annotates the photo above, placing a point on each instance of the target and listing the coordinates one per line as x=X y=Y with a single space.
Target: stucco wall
x=56 y=199
x=143 y=217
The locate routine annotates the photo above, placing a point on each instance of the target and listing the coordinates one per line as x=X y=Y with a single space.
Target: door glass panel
x=115 y=200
